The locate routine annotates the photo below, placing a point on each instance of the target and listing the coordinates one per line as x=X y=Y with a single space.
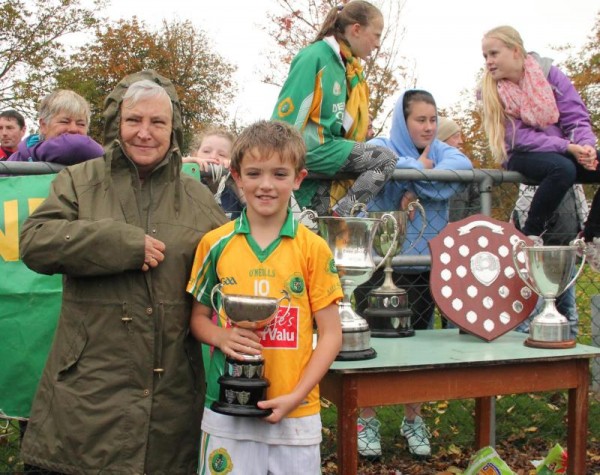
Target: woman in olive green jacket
x=123 y=387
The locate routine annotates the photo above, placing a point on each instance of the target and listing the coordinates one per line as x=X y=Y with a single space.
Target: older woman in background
x=64 y=118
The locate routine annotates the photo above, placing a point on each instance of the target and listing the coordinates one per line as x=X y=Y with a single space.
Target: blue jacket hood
x=433 y=196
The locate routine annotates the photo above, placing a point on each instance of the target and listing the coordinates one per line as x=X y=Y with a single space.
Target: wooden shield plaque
x=473 y=278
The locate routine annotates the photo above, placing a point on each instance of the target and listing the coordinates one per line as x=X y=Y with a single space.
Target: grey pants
x=375 y=165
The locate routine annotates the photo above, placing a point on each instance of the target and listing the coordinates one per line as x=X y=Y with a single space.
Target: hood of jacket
x=545 y=63
x=112 y=118
x=400 y=141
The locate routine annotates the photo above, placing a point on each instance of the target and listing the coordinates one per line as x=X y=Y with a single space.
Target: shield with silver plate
x=473 y=279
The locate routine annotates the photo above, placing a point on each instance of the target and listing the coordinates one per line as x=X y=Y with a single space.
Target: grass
x=10 y=461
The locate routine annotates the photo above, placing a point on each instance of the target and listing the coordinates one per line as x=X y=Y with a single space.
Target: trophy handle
x=216 y=289
x=518 y=247
x=411 y=206
x=357 y=208
x=308 y=213
x=384 y=218
x=580 y=243
x=286 y=296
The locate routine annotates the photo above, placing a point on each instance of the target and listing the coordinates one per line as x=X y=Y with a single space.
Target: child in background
x=465 y=202
x=268 y=164
x=413 y=140
x=327 y=98
x=538 y=125
x=214 y=154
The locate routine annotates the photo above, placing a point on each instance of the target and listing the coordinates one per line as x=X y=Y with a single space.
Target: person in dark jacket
x=12 y=130
x=64 y=118
x=123 y=387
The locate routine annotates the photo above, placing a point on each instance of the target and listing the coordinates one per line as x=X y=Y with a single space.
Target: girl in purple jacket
x=538 y=125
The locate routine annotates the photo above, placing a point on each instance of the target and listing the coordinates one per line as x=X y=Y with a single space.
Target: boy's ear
x=299 y=177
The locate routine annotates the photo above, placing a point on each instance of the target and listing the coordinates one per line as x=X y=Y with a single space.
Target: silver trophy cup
x=548 y=271
x=351 y=242
x=388 y=312
x=242 y=384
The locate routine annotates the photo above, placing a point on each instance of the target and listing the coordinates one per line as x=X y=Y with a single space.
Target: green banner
x=29 y=302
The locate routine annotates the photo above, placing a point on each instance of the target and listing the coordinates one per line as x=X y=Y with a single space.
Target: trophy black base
x=240 y=411
x=375 y=333
x=238 y=396
x=551 y=345
x=389 y=323
x=355 y=355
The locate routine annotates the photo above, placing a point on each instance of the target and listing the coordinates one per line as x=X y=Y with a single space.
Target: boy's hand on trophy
x=237 y=342
x=281 y=407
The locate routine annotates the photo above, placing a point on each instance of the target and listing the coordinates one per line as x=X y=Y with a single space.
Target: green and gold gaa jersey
x=299 y=262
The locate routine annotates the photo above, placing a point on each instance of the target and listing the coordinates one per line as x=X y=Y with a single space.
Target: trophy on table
x=351 y=242
x=243 y=383
x=548 y=271
x=388 y=313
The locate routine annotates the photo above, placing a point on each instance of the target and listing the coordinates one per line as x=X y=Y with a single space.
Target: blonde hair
x=268 y=137
x=210 y=132
x=340 y=17
x=494 y=117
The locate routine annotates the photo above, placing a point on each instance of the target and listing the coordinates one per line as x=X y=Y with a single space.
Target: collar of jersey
x=289 y=228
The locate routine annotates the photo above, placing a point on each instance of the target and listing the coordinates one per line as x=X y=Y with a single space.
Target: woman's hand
x=585 y=155
x=425 y=160
x=153 y=253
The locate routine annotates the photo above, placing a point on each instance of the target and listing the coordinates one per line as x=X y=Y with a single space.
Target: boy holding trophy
x=261 y=254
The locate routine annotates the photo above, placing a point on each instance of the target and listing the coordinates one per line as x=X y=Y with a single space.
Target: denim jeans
x=556 y=173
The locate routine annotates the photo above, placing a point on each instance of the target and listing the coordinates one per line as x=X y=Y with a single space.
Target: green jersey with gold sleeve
x=313 y=99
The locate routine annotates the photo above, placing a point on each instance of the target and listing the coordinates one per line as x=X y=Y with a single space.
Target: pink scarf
x=532 y=100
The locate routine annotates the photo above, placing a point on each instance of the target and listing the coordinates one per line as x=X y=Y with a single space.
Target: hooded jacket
x=123 y=387
x=432 y=195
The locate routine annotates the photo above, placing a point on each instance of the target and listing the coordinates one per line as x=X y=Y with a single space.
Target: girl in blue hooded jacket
x=413 y=140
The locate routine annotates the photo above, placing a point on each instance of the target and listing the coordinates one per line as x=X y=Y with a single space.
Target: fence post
x=596 y=342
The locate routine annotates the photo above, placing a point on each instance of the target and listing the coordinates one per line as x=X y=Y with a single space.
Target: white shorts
x=223 y=456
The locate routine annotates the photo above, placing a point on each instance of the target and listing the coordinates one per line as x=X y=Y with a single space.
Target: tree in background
x=584 y=70
x=32 y=35
x=297 y=24
x=178 y=50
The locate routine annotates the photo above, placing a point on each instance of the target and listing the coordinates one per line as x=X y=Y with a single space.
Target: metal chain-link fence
x=525 y=424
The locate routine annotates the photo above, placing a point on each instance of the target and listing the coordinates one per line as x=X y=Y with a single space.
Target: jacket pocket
x=72 y=353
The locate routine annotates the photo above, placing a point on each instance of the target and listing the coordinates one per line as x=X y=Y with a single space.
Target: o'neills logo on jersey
x=282 y=332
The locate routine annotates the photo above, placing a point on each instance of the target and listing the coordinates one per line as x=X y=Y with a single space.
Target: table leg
x=483 y=421
x=347 y=452
x=577 y=419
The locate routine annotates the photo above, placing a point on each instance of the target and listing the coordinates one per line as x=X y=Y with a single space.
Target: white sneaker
x=369 y=440
x=417 y=435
